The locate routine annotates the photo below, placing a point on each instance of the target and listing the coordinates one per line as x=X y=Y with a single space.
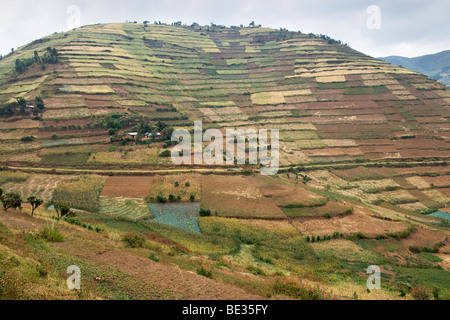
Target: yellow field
x=330 y=79
x=265 y=98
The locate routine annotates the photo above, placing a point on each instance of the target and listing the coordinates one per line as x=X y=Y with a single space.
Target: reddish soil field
x=423 y=238
x=422 y=170
x=25 y=123
x=356 y=222
x=446 y=192
x=420 y=144
x=283 y=193
x=415 y=153
x=72 y=133
x=132 y=187
x=441 y=181
x=237 y=197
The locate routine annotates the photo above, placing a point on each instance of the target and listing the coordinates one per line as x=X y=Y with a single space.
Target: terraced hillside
x=331 y=103
x=364 y=151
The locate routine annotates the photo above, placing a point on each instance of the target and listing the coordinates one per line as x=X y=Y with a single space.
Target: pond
x=181 y=215
x=441 y=214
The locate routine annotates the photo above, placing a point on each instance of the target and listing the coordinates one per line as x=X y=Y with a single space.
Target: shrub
x=295 y=288
x=161 y=199
x=205 y=213
x=153 y=257
x=204 y=272
x=192 y=198
x=256 y=270
x=420 y=293
x=165 y=154
x=327 y=216
x=51 y=234
x=188 y=184
x=436 y=292
x=134 y=240
x=28 y=139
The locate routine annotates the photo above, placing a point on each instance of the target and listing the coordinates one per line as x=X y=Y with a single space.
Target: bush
x=161 y=199
x=51 y=234
x=296 y=289
x=205 y=213
x=165 y=154
x=204 y=272
x=134 y=240
x=420 y=293
x=28 y=139
x=153 y=257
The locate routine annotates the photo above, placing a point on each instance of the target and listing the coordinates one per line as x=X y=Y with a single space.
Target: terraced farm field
x=364 y=151
x=125 y=208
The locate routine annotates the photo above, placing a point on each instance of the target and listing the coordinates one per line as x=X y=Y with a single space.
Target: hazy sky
x=378 y=28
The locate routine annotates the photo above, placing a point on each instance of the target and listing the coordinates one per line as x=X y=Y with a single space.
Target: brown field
x=237 y=197
x=423 y=238
x=422 y=170
x=25 y=123
x=284 y=193
x=362 y=173
x=441 y=181
x=333 y=152
x=356 y=222
x=128 y=187
x=445 y=192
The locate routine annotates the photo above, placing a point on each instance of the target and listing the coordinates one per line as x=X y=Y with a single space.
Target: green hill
x=436 y=66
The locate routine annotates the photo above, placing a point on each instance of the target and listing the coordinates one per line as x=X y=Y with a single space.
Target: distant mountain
x=436 y=66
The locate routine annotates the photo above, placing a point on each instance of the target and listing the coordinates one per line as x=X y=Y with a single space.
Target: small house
x=133 y=134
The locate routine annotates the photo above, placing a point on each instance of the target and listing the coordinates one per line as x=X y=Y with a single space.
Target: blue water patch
x=181 y=215
x=441 y=214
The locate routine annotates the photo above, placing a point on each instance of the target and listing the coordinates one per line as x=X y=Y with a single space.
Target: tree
x=11 y=200
x=35 y=203
x=36 y=56
x=62 y=211
x=39 y=103
x=192 y=198
x=21 y=101
x=166 y=133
